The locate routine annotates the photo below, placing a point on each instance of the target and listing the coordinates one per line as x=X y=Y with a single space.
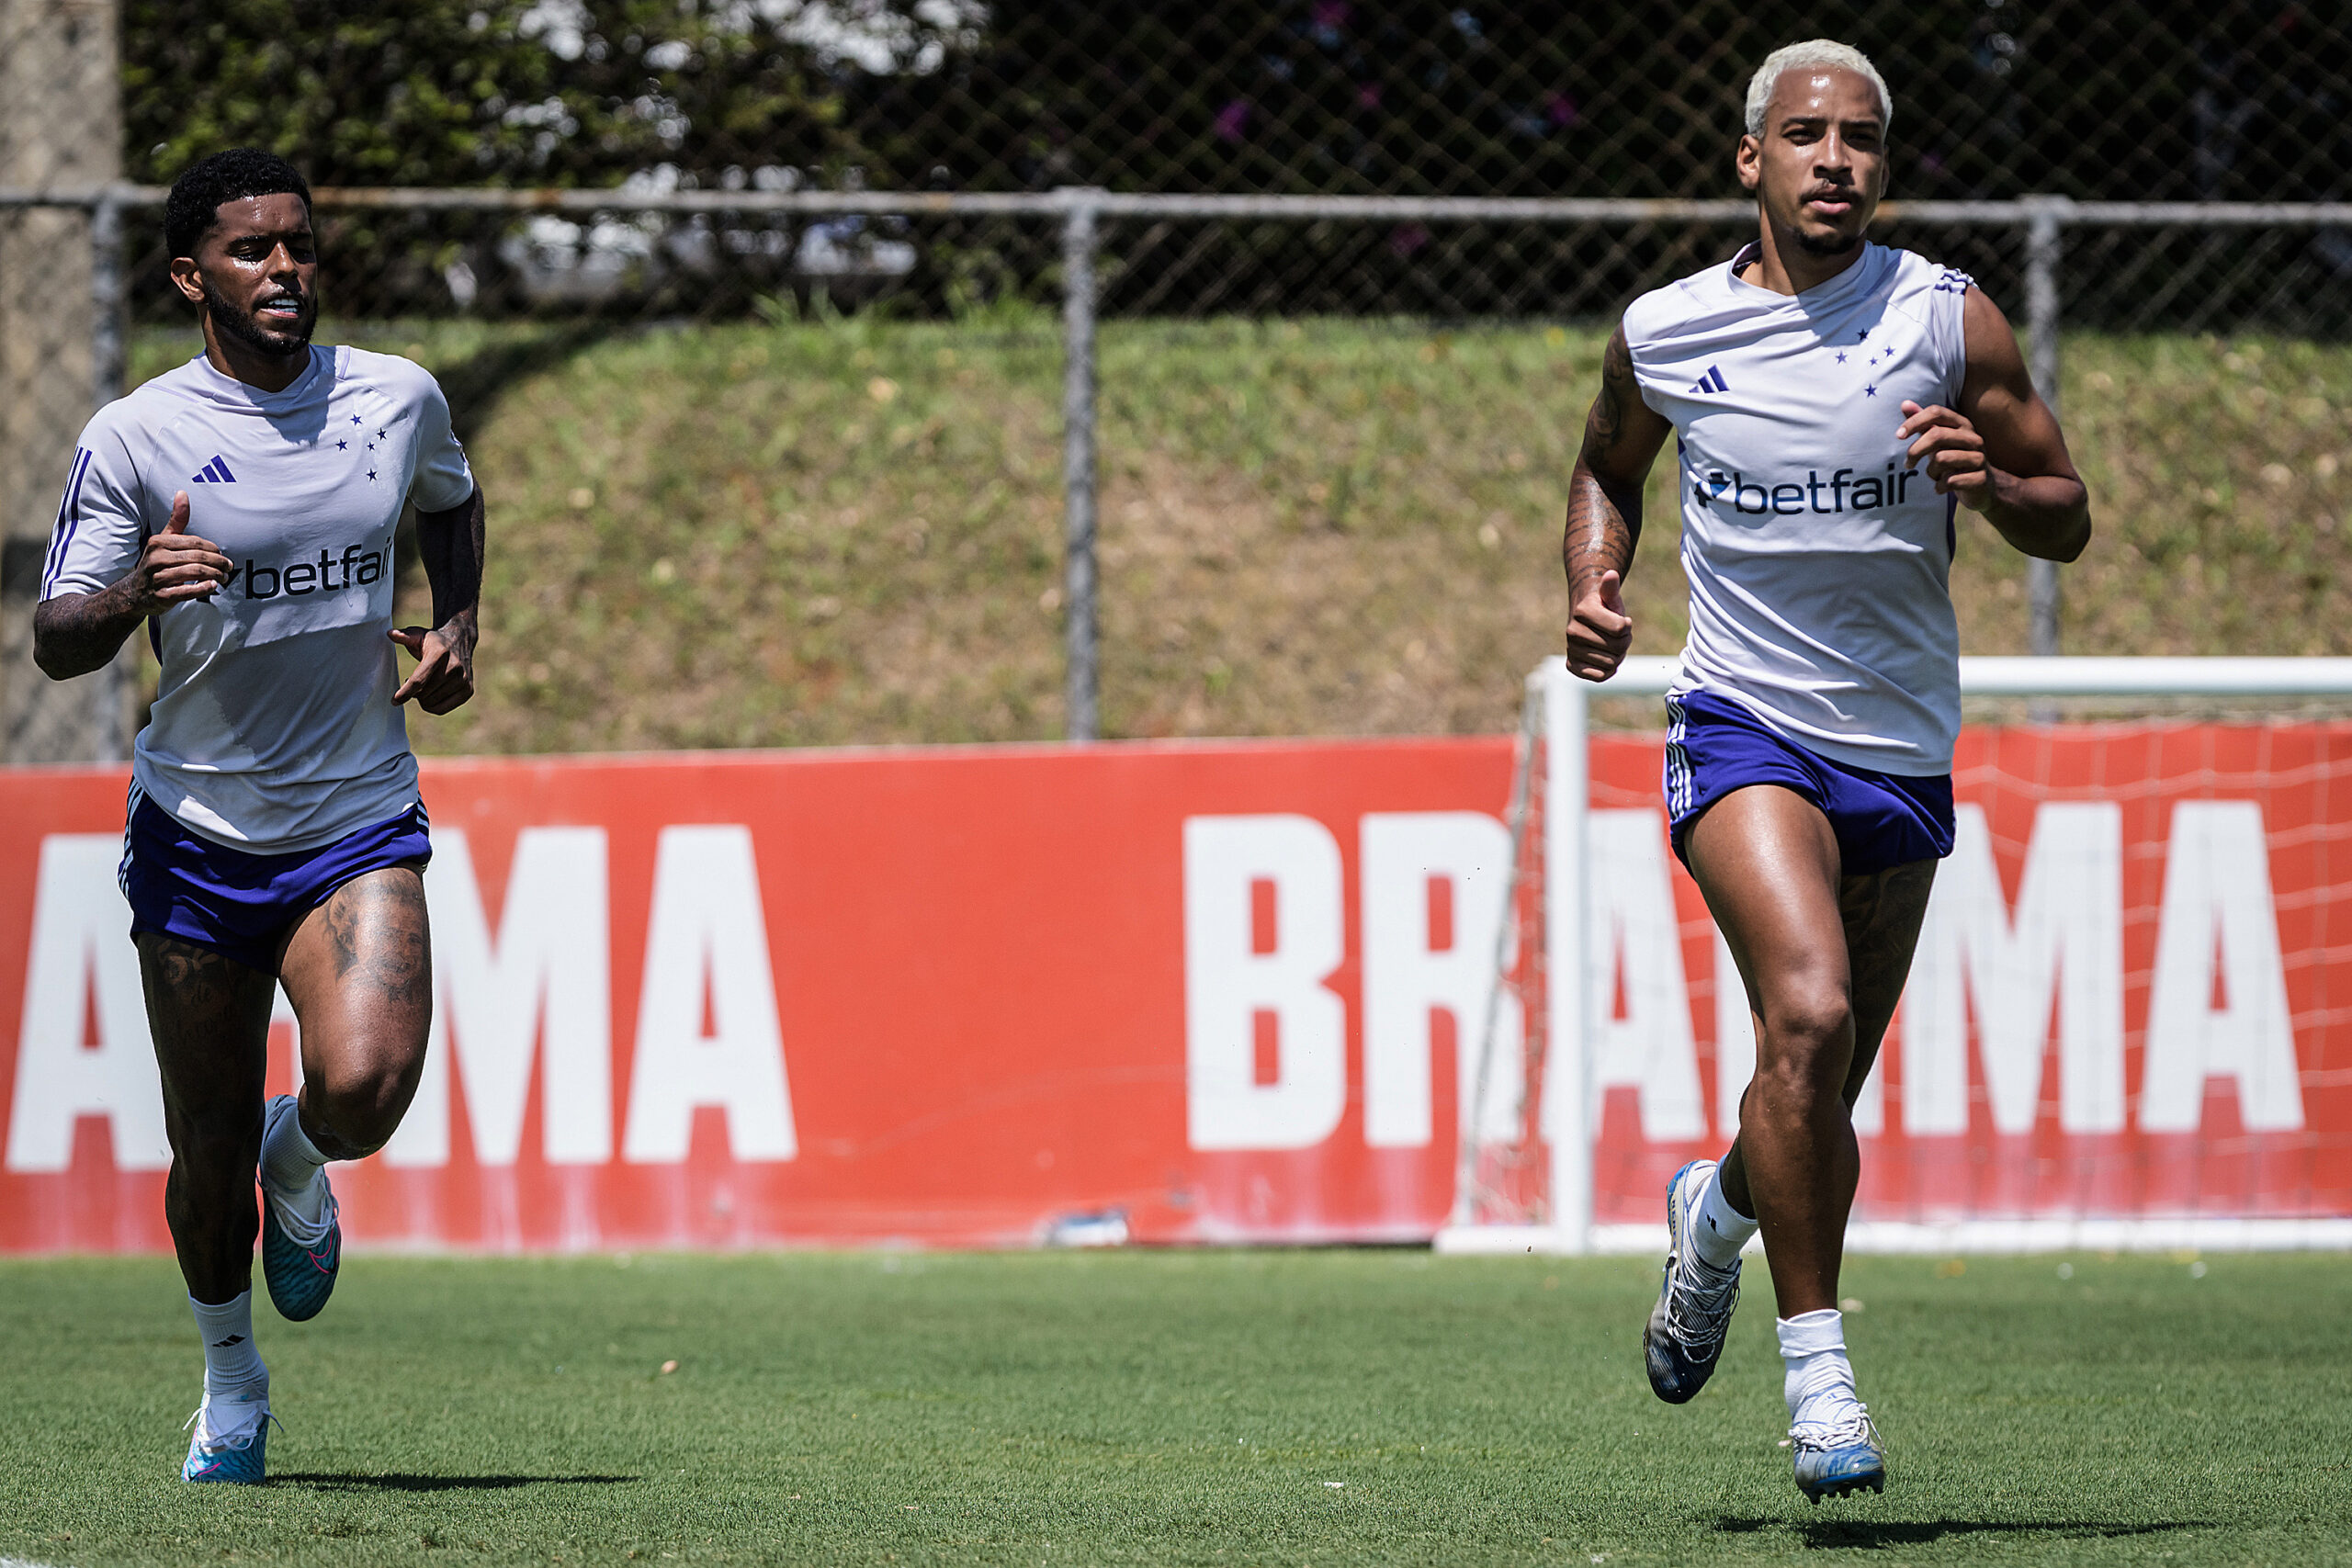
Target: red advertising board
x=966 y=996
x=2129 y=999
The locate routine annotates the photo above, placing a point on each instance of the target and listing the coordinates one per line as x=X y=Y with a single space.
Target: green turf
x=1189 y=1407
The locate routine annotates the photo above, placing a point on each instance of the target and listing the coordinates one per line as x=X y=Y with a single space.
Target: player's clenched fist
x=175 y=565
x=1951 y=451
x=1599 y=632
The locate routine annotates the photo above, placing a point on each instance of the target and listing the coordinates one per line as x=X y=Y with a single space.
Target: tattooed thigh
x=377 y=936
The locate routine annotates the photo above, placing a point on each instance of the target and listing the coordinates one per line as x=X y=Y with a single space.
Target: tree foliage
x=501 y=92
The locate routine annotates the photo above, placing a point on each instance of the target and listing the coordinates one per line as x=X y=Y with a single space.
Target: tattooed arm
x=1622 y=437
x=451 y=546
x=76 y=633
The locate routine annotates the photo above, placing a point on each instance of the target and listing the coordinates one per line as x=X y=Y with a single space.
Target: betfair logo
x=1842 y=490
x=327 y=574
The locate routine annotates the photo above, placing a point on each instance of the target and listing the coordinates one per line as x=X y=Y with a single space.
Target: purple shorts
x=238 y=904
x=1713 y=746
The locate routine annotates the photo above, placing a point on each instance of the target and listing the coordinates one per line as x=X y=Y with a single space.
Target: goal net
x=2129 y=1022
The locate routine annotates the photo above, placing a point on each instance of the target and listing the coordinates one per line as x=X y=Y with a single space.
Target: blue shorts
x=1714 y=745
x=240 y=904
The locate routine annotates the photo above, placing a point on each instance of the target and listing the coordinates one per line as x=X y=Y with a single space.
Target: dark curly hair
x=194 y=205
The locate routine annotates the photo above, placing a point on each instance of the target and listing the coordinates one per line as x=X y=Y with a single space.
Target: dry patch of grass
x=2222 y=476
x=737 y=536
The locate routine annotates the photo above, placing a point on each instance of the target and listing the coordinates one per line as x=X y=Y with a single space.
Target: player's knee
x=360 y=1107
x=1811 y=1028
x=208 y=1156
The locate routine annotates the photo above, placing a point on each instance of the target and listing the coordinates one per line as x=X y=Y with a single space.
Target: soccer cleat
x=235 y=1451
x=300 y=1277
x=1838 y=1459
x=1686 y=1329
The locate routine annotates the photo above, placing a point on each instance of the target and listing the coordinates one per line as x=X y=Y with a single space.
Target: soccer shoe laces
x=1853 y=1428
x=239 y=1438
x=1699 y=1306
x=299 y=1231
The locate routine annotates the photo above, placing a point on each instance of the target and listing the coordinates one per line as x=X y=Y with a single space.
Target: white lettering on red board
x=707 y=936
x=539 y=991
x=1410 y=979
x=1638 y=944
x=2066 y=942
x=1240 y=977
x=533 y=998
x=2218 y=915
x=81 y=953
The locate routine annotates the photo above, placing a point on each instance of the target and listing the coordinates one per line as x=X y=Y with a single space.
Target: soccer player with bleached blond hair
x=1834 y=402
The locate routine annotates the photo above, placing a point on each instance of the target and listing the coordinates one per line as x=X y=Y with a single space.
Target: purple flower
x=1232 y=119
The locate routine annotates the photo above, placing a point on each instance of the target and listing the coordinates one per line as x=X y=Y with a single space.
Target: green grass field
x=1205 y=1407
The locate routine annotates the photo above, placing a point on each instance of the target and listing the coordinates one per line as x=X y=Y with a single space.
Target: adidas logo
x=1713 y=382
x=215 y=472
x=224 y=1343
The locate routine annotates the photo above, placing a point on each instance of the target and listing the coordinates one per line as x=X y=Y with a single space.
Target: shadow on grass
x=474 y=384
x=1819 y=1534
x=346 y=1481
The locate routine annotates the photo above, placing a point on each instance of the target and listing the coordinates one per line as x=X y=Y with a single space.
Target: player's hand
x=444 y=677
x=1599 y=632
x=175 y=565
x=1951 y=451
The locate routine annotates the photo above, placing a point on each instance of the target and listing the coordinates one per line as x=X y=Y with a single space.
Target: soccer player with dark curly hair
x=242 y=508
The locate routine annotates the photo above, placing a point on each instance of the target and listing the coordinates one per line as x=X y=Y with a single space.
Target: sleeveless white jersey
x=1819 y=564
x=274 y=728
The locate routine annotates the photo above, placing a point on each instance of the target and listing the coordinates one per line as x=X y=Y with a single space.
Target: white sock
x=1722 y=1230
x=1819 y=1385
x=290 y=1164
x=231 y=1362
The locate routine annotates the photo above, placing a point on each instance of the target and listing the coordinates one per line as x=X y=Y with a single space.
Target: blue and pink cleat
x=235 y=1448
x=300 y=1276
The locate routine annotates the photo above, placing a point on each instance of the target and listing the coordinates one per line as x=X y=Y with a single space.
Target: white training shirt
x=274 y=730
x=1819 y=564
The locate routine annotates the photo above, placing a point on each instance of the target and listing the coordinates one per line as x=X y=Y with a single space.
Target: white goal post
x=1551 y=805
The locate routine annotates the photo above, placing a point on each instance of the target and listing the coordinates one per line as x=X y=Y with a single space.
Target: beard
x=1827 y=245
x=241 y=325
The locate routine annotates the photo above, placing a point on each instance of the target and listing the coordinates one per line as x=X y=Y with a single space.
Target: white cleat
x=1836 y=1458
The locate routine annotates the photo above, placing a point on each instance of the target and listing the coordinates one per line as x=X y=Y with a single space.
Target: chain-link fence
x=58 y=126
x=585 y=166
x=1995 y=99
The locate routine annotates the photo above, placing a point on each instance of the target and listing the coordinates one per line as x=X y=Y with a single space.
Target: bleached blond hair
x=1813 y=51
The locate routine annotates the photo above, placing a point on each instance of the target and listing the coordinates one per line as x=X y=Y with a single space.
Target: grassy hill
x=827 y=533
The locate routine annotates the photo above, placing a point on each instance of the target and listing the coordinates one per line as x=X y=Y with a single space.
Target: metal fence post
x=1083 y=678
x=2042 y=242
x=110 y=686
